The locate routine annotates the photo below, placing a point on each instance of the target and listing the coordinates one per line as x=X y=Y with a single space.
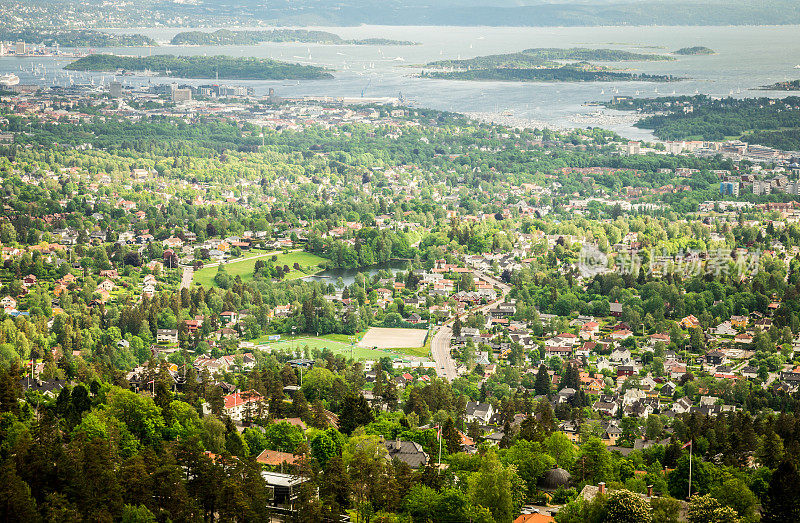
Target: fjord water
x=747 y=57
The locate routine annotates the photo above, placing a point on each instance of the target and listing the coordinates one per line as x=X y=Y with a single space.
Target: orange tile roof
x=534 y=518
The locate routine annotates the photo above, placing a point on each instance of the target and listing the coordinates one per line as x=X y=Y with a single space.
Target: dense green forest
x=222 y=67
x=98 y=452
x=771 y=122
x=74 y=38
x=230 y=37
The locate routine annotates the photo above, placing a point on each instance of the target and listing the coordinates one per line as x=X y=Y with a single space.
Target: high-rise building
x=731 y=188
x=762 y=187
x=634 y=148
x=115 y=89
x=181 y=95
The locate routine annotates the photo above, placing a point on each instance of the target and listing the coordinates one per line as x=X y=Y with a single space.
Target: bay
x=747 y=57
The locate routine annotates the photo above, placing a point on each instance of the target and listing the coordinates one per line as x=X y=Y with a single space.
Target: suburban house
x=283 y=489
x=167 y=336
x=409 y=452
x=615 y=309
x=229 y=318
x=237 y=404
x=482 y=412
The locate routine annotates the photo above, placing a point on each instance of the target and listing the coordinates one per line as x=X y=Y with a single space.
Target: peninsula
x=229 y=37
x=75 y=38
x=197 y=67
x=788 y=85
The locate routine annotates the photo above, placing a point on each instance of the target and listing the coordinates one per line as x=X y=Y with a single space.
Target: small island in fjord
x=546 y=65
x=567 y=73
x=695 y=51
x=199 y=67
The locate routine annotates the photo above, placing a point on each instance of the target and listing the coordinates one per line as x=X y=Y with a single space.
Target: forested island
x=546 y=57
x=765 y=121
x=547 y=74
x=222 y=67
x=695 y=51
x=600 y=55
x=75 y=38
x=789 y=85
x=229 y=37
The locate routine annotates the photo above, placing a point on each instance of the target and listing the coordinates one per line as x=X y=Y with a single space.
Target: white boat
x=797 y=66
x=9 y=79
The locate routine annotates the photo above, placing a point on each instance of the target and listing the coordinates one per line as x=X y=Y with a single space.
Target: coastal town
x=310 y=289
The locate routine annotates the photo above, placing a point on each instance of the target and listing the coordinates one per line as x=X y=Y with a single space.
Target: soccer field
x=358 y=353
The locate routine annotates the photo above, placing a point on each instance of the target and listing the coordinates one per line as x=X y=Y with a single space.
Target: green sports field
x=244 y=267
x=359 y=353
x=339 y=344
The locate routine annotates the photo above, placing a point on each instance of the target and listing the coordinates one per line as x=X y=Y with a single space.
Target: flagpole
x=439 y=431
x=691 y=448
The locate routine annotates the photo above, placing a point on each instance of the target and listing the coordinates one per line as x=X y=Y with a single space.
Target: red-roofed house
x=276 y=458
x=689 y=322
x=534 y=518
x=193 y=325
x=589 y=330
x=236 y=404
x=621 y=334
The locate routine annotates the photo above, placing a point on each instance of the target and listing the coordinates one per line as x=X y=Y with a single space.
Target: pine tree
x=542 y=384
x=318 y=418
x=355 y=412
x=782 y=504
x=451 y=436
x=457 y=327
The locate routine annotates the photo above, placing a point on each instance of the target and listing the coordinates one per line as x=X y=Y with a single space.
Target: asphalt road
x=440 y=345
x=186 y=279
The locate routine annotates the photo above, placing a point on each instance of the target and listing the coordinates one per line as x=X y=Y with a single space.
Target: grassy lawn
x=244 y=266
x=422 y=352
x=339 y=344
x=336 y=347
x=344 y=338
